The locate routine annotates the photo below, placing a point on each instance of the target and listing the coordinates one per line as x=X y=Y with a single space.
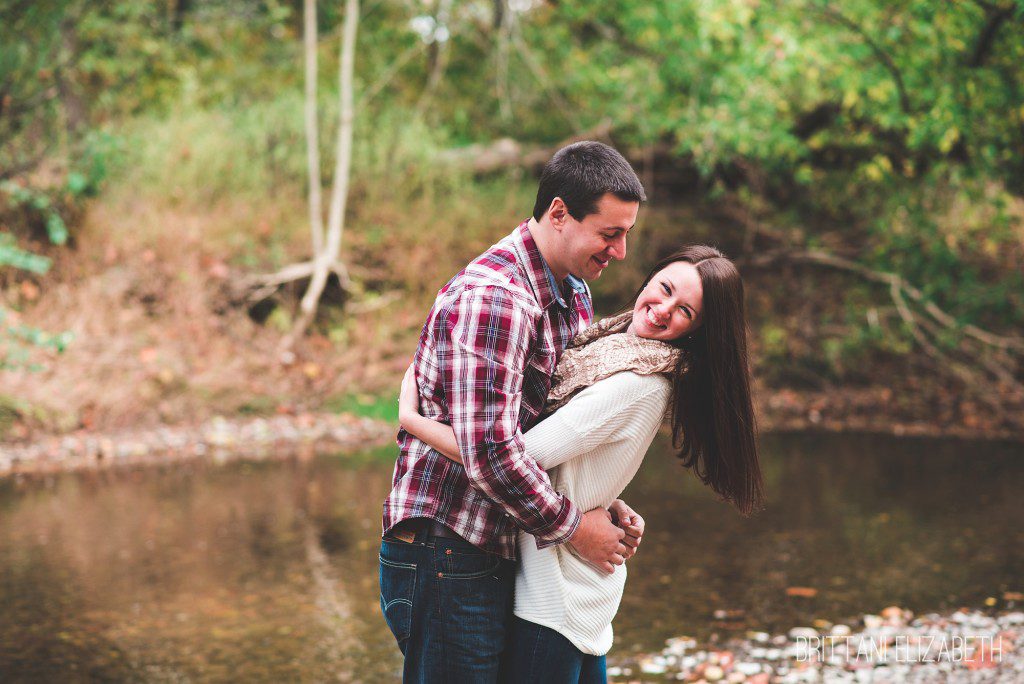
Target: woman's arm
x=589 y=419
x=596 y=416
x=437 y=435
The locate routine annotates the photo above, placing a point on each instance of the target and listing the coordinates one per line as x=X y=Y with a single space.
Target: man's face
x=588 y=246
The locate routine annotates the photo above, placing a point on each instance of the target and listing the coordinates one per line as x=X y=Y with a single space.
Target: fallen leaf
x=219 y=270
x=29 y=290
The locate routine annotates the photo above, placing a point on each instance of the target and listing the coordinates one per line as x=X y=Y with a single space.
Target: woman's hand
x=409 y=397
x=631 y=523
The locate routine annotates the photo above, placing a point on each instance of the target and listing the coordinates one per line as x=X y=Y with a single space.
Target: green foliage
x=897 y=126
x=12 y=255
x=18 y=342
x=380 y=407
x=19 y=195
x=890 y=132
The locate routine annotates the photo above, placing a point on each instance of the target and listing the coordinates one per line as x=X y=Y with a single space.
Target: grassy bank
x=200 y=198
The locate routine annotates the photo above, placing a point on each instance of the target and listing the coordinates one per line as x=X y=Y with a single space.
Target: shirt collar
x=545 y=286
x=575 y=283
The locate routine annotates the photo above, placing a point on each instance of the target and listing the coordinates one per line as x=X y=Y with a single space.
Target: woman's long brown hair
x=710 y=409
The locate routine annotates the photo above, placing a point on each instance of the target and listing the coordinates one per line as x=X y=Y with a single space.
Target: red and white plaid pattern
x=484 y=364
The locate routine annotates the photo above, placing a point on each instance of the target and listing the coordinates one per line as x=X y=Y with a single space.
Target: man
x=484 y=364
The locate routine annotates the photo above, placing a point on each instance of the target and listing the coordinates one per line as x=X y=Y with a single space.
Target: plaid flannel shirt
x=484 y=364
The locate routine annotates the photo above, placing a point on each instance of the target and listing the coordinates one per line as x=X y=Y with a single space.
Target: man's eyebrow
x=620 y=229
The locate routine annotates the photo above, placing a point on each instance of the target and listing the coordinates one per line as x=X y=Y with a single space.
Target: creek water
x=267 y=571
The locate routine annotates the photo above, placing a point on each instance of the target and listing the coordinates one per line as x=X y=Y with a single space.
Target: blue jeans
x=448 y=605
x=540 y=655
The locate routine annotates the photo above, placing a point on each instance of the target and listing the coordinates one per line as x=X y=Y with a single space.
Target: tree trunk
x=328 y=255
x=74 y=107
x=316 y=213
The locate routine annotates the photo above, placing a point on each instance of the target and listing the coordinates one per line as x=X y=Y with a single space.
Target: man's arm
x=491 y=338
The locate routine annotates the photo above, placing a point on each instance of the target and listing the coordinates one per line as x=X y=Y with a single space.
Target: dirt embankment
x=158 y=341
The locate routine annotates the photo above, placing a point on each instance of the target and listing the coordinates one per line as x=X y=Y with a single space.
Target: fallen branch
x=924 y=329
x=255 y=289
x=375 y=304
x=507 y=153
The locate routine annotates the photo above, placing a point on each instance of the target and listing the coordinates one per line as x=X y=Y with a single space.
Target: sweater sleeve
x=594 y=417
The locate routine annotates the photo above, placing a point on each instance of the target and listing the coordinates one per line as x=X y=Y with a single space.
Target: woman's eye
x=664 y=287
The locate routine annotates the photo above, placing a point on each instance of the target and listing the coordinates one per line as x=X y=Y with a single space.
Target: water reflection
x=864 y=521
x=267 y=571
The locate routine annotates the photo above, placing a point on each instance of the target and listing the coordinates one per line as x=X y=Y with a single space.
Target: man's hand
x=630 y=522
x=598 y=541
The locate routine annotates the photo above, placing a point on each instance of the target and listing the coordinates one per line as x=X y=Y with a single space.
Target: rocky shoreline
x=220 y=439
x=894 y=646
x=226 y=438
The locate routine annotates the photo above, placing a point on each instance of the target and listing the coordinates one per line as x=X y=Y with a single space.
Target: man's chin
x=595 y=269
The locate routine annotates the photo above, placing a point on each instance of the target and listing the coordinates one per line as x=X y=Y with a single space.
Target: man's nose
x=618 y=248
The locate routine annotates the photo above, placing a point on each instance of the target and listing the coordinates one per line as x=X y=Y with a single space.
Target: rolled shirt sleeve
x=491 y=337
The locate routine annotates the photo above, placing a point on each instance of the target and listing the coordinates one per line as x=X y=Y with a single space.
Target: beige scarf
x=602 y=350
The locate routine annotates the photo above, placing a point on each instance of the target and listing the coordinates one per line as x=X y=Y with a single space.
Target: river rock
x=653 y=665
x=713 y=673
x=748 y=669
x=803 y=633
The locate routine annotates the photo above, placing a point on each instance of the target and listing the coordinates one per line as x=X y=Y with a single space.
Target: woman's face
x=671 y=304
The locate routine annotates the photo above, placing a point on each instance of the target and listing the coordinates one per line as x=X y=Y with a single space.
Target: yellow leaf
x=949 y=138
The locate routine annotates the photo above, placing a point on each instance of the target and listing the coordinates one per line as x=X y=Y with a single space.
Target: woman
x=681 y=350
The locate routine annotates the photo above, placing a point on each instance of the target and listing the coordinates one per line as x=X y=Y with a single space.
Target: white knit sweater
x=591 y=449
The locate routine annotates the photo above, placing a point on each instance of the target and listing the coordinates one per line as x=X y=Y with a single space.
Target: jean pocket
x=470 y=565
x=397 y=588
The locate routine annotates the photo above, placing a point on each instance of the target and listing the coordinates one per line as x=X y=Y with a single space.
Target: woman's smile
x=654 y=320
x=669 y=306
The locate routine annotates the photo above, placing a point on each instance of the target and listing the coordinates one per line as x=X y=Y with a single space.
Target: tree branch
x=255 y=289
x=538 y=72
x=877 y=49
x=900 y=291
x=996 y=17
